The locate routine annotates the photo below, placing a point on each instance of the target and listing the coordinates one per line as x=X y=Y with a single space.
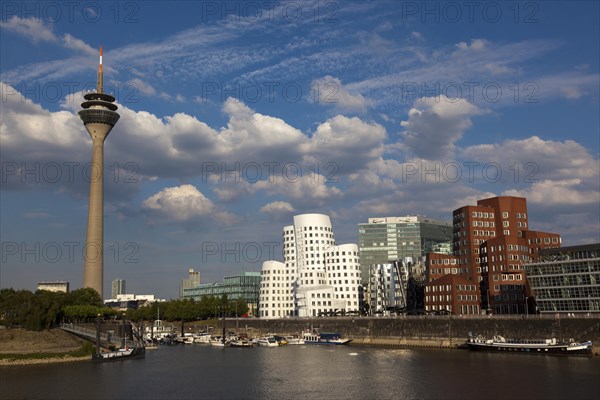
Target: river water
x=309 y=372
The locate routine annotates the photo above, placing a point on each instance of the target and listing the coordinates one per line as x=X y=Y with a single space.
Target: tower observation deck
x=99 y=116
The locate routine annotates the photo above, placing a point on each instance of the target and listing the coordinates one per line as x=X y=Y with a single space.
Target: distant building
x=387 y=283
x=118 y=287
x=54 y=286
x=566 y=280
x=395 y=287
x=244 y=286
x=415 y=293
x=387 y=239
x=123 y=302
x=190 y=282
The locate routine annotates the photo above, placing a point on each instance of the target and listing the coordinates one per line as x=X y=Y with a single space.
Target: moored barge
x=530 y=346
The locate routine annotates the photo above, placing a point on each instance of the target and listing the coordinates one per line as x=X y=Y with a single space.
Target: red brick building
x=490 y=243
x=454 y=293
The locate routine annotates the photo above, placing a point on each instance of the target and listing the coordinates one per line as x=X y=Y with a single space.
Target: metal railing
x=89 y=333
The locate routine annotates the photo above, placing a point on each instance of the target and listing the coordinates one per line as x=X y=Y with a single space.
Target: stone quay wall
x=426 y=331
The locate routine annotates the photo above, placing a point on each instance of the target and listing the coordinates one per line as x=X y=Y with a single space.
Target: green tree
x=87 y=296
x=239 y=306
x=81 y=312
x=48 y=307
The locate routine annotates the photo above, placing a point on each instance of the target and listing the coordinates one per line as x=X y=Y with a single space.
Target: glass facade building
x=384 y=240
x=567 y=279
x=245 y=286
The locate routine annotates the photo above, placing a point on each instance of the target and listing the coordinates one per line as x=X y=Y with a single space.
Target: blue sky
x=236 y=116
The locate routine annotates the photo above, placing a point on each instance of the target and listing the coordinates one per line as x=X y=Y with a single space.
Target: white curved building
x=273 y=298
x=316 y=278
x=343 y=273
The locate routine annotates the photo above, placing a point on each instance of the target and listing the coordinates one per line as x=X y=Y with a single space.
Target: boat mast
x=98 y=334
x=123 y=331
x=223 y=337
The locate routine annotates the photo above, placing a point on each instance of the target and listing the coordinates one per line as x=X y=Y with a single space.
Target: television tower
x=99 y=117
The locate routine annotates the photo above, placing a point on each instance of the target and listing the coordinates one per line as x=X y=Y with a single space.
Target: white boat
x=294 y=340
x=202 y=337
x=150 y=344
x=241 y=343
x=314 y=337
x=159 y=330
x=120 y=354
x=217 y=341
x=187 y=338
x=530 y=346
x=268 y=341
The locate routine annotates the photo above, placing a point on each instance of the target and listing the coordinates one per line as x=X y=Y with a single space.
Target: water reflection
x=309 y=372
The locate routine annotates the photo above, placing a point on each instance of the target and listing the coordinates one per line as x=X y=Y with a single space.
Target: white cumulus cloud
x=330 y=91
x=183 y=203
x=570 y=192
x=435 y=124
x=277 y=207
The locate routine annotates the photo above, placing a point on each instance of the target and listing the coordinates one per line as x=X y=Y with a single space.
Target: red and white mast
x=100 y=83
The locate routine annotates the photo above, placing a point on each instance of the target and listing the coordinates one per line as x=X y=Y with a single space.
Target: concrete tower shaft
x=99 y=117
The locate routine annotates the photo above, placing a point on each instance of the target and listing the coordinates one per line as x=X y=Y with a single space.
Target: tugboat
x=528 y=346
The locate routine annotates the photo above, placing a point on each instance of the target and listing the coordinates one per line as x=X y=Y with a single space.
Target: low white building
x=54 y=286
x=316 y=278
x=126 y=301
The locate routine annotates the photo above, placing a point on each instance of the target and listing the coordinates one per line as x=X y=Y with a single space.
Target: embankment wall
x=427 y=331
